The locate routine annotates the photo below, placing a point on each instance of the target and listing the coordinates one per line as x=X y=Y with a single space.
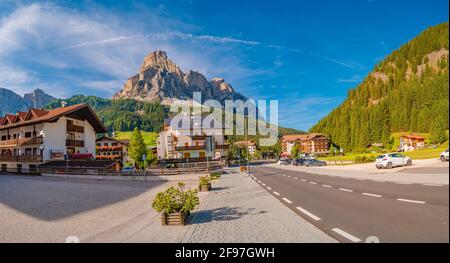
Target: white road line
x=327 y=186
x=289 y=176
x=287 y=200
x=373 y=195
x=296 y=178
x=346 y=235
x=263 y=184
x=433 y=184
x=303 y=180
x=411 y=201
x=402 y=183
x=276 y=193
x=304 y=211
x=345 y=190
x=284 y=175
x=268 y=188
x=379 y=181
x=312 y=182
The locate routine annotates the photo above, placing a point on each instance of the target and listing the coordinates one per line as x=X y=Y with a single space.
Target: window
x=28 y=135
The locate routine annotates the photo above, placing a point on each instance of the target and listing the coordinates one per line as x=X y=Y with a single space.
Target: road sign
x=209 y=145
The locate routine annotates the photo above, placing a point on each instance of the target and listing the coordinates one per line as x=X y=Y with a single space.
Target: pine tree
x=137 y=148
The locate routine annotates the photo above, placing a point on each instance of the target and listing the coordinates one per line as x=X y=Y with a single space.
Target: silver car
x=392 y=160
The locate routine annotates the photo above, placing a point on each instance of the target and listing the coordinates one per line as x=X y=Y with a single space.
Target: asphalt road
x=353 y=210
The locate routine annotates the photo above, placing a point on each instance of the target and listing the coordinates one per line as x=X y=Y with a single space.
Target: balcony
x=201 y=147
x=74 y=143
x=109 y=148
x=22 y=141
x=21 y=158
x=75 y=128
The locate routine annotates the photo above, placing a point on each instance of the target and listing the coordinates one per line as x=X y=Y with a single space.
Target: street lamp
x=246 y=138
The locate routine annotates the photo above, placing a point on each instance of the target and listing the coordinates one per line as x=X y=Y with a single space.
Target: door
x=187 y=155
x=19 y=168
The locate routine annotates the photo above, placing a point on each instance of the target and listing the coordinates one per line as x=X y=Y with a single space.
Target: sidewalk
x=239 y=210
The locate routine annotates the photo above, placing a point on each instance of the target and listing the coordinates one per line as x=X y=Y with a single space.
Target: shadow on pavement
x=56 y=198
x=222 y=214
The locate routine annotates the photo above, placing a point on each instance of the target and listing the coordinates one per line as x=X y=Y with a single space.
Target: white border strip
x=346 y=235
x=306 y=212
x=411 y=201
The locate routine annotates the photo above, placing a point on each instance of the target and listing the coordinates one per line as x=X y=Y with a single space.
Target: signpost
x=209 y=148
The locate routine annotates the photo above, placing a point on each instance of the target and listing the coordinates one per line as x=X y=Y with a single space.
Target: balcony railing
x=109 y=148
x=201 y=147
x=22 y=141
x=75 y=128
x=74 y=143
x=21 y=158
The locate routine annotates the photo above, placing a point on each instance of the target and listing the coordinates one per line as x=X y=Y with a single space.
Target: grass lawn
x=149 y=137
x=346 y=157
x=425 y=153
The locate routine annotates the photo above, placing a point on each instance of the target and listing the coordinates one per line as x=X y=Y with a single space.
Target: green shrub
x=204 y=180
x=176 y=199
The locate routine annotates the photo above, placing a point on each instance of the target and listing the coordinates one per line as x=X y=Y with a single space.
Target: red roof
x=34 y=116
x=413 y=137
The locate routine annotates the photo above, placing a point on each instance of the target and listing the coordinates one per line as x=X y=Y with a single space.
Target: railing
x=74 y=143
x=21 y=158
x=109 y=148
x=201 y=147
x=75 y=128
x=22 y=141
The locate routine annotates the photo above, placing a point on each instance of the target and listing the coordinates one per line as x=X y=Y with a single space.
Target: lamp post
x=246 y=138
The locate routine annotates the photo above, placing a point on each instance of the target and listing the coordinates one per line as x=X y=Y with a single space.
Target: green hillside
x=149 y=137
x=122 y=115
x=407 y=92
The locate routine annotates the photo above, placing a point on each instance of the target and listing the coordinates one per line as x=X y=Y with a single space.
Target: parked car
x=299 y=161
x=284 y=162
x=314 y=162
x=128 y=169
x=392 y=160
x=444 y=156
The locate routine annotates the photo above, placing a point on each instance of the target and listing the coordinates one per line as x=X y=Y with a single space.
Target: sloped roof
x=413 y=137
x=34 y=116
x=112 y=139
x=301 y=137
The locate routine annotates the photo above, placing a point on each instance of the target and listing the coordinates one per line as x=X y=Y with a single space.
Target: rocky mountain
x=10 y=102
x=406 y=92
x=161 y=80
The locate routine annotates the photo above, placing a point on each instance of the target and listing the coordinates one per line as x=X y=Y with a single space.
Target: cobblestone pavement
x=239 y=210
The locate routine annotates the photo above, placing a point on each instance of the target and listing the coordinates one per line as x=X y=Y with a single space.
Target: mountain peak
x=158 y=60
x=153 y=83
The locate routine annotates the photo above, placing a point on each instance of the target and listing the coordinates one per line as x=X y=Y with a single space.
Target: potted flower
x=175 y=204
x=204 y=184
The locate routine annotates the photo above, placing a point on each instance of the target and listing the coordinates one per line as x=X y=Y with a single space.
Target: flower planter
x=204 y=187
x=174 y=219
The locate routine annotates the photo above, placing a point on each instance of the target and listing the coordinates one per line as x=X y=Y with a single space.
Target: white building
x=28 y=139
x=251 y=146
x=178 y=142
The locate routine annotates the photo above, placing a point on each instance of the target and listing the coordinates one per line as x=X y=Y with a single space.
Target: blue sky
x=306 y=54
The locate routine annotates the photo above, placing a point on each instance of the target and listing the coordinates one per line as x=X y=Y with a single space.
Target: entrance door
x=4 y=167
x=19 y=168
x=187 y=155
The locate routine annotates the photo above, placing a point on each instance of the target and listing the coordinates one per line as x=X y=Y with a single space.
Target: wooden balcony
x=74 y=143
x=22 y=141
x=190 y=148
x=21 y=158
x=75 y=128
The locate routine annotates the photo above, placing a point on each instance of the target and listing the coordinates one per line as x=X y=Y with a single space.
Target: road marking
x=268 y=188
x=327 y=186
x=263 y=184
x=304 y=211
x=346 y=235
x=379 y=181
x=276 y=193
x=312 y=182
x=284 y=175
x=287 y=200
x=402 y=183
x=303 y=180
x=373 y=195
x=433 y=184
x=345 y=190
x=296 y=178
x=411 y=201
